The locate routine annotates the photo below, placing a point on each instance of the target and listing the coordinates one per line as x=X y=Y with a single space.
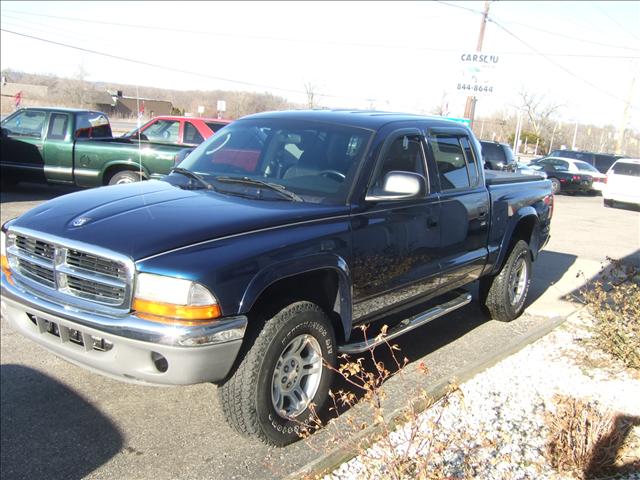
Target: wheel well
x=318 y=286
x=523 y=230
x=112 y=170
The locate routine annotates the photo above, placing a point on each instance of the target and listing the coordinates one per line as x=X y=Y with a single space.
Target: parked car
x=564 y=175
x=623 y=183
x=602 y=161
x=254 y=263
x=178 y=130
x=527 y=169
x=497 y=156
x=74 y=146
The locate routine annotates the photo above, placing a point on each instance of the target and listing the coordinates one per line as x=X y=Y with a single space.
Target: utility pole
x=470 y=106
x=625 y=118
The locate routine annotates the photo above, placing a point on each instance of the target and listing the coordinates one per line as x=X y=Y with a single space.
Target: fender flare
x=127 y=164
x=519 y=216
x=297 y=266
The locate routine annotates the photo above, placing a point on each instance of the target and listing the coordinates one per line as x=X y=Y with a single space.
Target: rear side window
x=214 y=126
x=191 y=134
x=92 y=125
x=624 y=168
x=450 y=160
x=471 y=160
x=58 y=126
x=28 y=123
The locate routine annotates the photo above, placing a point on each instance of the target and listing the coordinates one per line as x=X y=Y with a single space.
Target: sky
x=394 y=56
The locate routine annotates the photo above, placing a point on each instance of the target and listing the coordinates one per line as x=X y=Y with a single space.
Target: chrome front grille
x=70 y=271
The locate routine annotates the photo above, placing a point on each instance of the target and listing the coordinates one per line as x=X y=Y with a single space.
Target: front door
x=22 y=147
x=396 y=242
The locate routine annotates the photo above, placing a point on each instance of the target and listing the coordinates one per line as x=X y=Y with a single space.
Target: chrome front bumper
x=138 y=351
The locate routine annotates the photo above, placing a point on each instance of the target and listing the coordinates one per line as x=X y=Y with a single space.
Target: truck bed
x=497 y=177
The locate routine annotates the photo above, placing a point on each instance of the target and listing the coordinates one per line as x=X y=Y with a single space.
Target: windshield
x=313 y=160
x=585 y=167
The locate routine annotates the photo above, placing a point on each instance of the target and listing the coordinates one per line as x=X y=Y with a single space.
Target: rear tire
x=555 y=185
x=505 y=294
x=282 y=379
x=124 y=176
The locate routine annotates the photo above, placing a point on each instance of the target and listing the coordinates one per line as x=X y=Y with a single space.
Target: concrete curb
x=350 y=448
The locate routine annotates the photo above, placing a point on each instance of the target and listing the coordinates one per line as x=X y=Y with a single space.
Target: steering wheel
x=333 y=173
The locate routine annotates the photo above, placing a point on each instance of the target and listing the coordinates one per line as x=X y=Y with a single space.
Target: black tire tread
x=493 y=290
x=238 y=394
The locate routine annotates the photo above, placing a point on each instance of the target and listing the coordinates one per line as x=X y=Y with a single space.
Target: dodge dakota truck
x=255 y=261
x=76 y=147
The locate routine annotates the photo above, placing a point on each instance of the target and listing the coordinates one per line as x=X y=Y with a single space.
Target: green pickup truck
x=76 y=147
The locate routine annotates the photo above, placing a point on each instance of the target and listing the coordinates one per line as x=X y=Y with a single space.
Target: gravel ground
x=493 y=427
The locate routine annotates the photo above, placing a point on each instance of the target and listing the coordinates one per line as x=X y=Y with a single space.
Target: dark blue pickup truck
x=252 y=262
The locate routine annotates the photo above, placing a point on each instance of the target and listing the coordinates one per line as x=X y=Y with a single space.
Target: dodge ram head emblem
x=80 y=221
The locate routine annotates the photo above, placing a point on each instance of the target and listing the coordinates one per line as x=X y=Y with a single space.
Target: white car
x=599 y=179
x=623 y=182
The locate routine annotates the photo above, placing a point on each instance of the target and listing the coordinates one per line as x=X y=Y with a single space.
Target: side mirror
x=398 y=186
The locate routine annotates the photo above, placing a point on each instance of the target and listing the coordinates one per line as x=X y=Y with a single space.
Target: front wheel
x=284 y=377
x=124 y=176
x=504 y=295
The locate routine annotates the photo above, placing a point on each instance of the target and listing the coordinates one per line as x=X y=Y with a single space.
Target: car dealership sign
x=477 y=73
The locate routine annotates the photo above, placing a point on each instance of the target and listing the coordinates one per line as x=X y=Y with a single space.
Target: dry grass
x=585 y=440
x=614 y=301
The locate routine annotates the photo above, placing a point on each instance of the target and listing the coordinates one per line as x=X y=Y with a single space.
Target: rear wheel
x=555 y=185
x=284 y=376
x=504 y=295
x=124 y=176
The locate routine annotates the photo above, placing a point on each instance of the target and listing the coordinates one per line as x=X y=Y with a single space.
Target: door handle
x=432 y=222
x=482 y=213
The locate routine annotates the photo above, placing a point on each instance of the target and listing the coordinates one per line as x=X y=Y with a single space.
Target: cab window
x=191 y=134
x=27 y=123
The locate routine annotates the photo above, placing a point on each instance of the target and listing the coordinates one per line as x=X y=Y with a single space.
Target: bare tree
x=442 y=108
x=539 y=111
x=312 y=91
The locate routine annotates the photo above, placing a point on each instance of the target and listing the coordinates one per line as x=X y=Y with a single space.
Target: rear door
x=58 y=148
x=464 y=206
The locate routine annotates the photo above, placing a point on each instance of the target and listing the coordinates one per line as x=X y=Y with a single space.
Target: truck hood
x=147 y=218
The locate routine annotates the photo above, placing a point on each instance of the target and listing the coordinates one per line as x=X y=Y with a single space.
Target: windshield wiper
x=260 y=183
x=194 y=176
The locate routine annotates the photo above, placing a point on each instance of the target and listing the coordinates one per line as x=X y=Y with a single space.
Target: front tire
x=505 y=294
x=284 y=377
x=124 y=176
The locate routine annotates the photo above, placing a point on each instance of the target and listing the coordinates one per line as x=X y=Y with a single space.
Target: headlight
x=3 y=254
x=173 y=300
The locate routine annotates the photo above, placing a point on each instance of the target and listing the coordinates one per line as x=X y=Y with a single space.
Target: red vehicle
x=177 y=130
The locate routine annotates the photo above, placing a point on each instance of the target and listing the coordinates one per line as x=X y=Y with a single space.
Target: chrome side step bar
x=408 y=324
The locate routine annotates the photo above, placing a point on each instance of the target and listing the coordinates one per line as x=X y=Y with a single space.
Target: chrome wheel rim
x=518 y=282
x=124 y=180
x=296 y=376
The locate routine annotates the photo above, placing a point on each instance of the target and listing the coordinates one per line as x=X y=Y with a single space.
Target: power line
x=562 y=67
x=549 y=32
x=173 y=69
x=298 y=40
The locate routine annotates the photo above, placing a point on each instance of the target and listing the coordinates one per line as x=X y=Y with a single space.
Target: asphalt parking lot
x=60 y=421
